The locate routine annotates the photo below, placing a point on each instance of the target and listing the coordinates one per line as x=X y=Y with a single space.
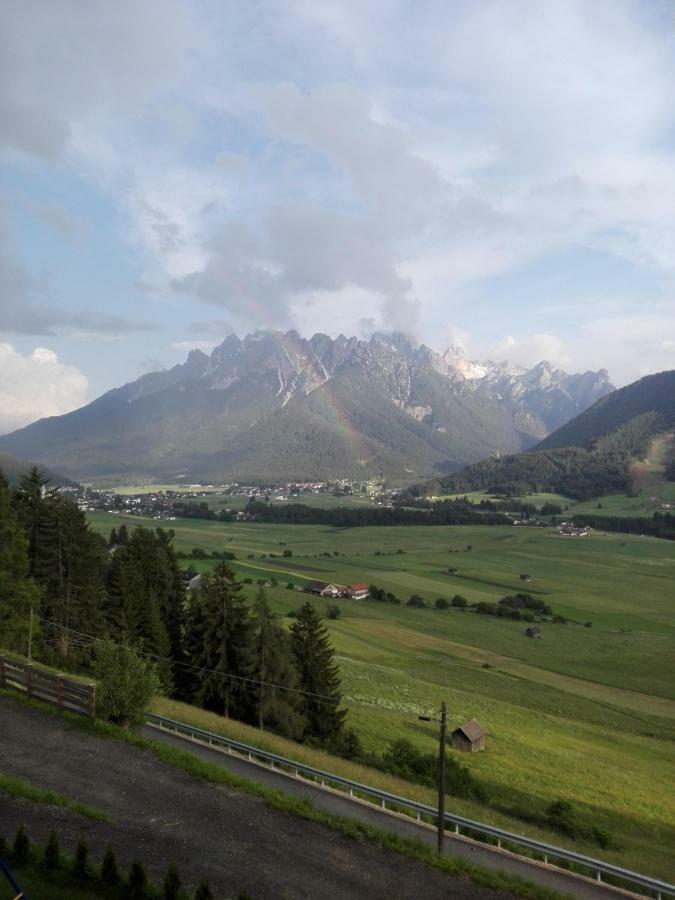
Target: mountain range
x=276 y=406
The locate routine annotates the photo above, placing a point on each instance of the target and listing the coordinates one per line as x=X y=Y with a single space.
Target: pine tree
x=80 y=870
x=109 y=872
x=278 y=704
x=223 y=645
x=172 y=883
x=137 y=881
x=318 y=676
x=21 y=846
x=52 y=854
x=18 y=592
x=113 y=539
x=123 y=535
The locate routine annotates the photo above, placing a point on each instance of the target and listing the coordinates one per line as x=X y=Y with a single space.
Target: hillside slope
x=590 y=456
x=277 y=406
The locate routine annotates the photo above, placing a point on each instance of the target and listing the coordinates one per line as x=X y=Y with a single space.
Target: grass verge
x=17 y=787
x=276 y=800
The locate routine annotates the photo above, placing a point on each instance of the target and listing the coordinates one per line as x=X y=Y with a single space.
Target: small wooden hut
x=469 y=737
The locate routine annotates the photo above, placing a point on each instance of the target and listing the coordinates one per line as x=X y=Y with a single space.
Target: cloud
x=35 y=385
x=186 y=346
x=530 y=349
x=59 y=220
x=23 y=309
x=67 y=67
x=297 y=253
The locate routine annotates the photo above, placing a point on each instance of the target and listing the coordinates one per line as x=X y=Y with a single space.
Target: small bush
x=137 y=882
x=126 y=683
x=203 y=891
x=172 y=883
x=459 y=602
x=109 y=872
x=52 y=854
x=416 y=601
x=21 y=846
x=442 y=603
x=287 y=553
x=290 y=586
x=333 y=612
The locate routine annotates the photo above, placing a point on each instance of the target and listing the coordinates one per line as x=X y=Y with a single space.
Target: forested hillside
x=588 y=457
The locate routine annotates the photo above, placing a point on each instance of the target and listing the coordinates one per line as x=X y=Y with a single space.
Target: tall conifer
x=318 y=675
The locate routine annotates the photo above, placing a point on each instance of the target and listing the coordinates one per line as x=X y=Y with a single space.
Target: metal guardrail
x=481 y=831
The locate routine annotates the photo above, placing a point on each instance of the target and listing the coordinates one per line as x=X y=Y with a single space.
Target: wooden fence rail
x=62 y=692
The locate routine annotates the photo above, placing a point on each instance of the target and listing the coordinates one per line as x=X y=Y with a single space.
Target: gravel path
x=159 y=814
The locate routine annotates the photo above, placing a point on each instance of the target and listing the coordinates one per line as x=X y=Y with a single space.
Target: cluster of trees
x=447 y=512
x=661 y=525
x=516 y=606
x=90 y=603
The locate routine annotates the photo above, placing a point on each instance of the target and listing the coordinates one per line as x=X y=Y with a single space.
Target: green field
x=586 y=713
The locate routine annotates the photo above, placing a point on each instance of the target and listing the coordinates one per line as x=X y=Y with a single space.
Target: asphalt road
x=159 y=814
x=342 y=805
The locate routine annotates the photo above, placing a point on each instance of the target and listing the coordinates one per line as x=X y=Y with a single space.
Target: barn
x=533 y=631
x=470 y=737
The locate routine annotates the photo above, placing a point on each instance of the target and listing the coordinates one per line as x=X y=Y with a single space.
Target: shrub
x=228 y=554
x=333 y=612
x=404 y=759
x=203 y=891
x=459 y=601
x=416 y=601
x=287 y=553
x=137 y=881
x=452 y=570
x=290 y=586
x=109 y=872
x=52 y=854
x=21 y=846
x=247 y=581
x=563 y=816
x=588 y=624
x=80 y=861
x=127 y=682
x=442 y=603
x=172 y=883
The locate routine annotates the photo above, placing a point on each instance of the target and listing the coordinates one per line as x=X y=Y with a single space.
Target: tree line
x=446 y=512
x=70 y=593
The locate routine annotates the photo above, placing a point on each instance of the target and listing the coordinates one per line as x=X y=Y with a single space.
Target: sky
x=496 y=175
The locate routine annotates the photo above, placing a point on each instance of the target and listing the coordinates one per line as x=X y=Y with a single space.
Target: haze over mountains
x=278 y=406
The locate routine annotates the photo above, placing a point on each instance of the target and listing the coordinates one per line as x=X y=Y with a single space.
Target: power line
x=92 y=639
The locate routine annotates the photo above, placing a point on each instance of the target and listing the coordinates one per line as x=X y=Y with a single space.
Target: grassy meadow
x=585 y=713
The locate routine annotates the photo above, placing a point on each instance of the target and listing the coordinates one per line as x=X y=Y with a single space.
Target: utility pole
x=441 y=772
x=30 y=636
x=441 y=779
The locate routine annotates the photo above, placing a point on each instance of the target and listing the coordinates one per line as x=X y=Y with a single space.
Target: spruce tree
x=278 y=704
x=112 y=540
x=80 y=870
x=21 y=846
x=172 y=883
x=223 y=645
x=318 y=676
x=18 y=592
x=123 y=535
x=137 y=881
x=109 y=872
x=52 y=854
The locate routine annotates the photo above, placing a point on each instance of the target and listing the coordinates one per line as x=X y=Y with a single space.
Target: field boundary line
x=506 y=841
